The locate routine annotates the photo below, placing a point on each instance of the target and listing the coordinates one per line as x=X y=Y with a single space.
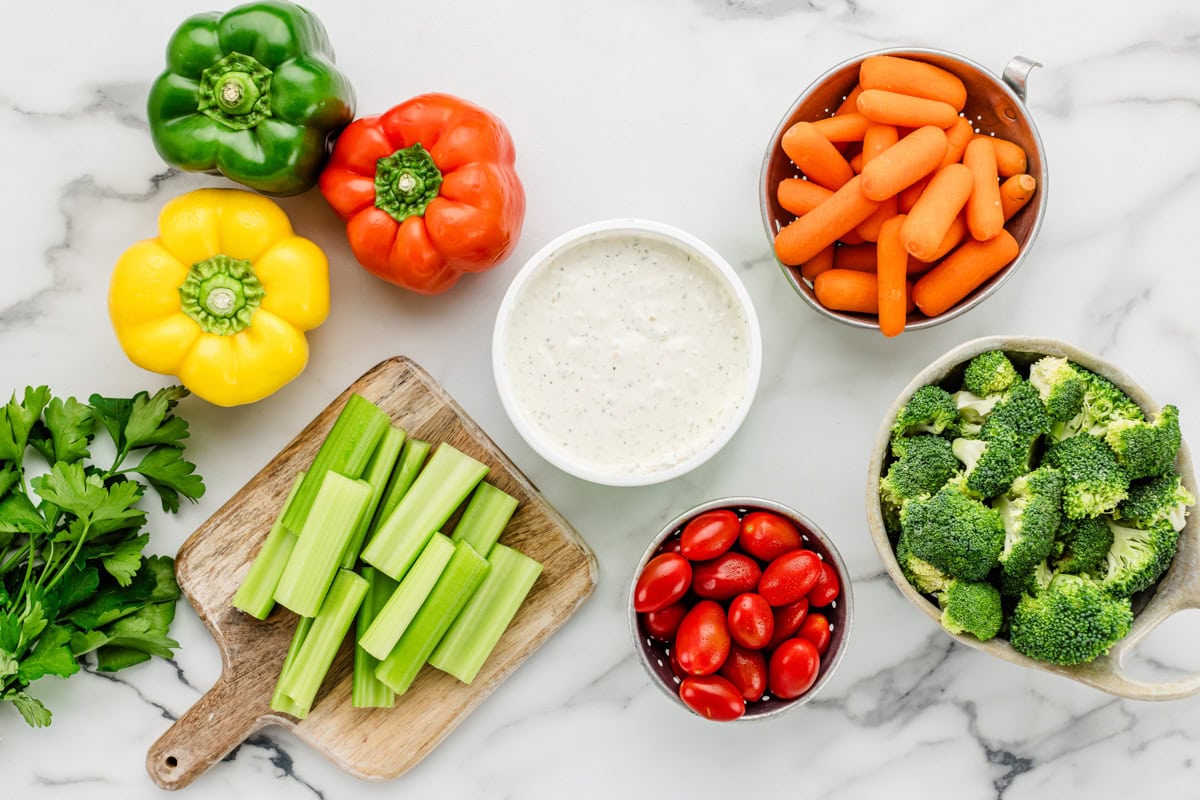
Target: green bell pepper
x=252 y=94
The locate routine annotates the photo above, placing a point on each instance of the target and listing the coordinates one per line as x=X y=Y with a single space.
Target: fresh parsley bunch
x=73 y=579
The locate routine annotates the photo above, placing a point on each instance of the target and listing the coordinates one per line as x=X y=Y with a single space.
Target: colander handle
x=1016 y=73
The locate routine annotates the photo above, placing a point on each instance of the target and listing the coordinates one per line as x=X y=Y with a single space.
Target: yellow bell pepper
x=222 y=298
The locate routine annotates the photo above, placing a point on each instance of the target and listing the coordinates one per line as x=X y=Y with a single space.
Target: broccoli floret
x=1031 y=512
x=957 y=534
x=1021 y=410
x=1103 y=403
x=989 y=373
x=1137 y=557
x=992 y=463
x=924 y=465
x=1094 y=482
x=972 y=608
x=1031 y=583
x=1059 y=385
x=973 y=410
x=1072 y=621
x=1082 y=545
x=920 y=573
x=1146 y=449
x=930 y=410
x=1154 y=500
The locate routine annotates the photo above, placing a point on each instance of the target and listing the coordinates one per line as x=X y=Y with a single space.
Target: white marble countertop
x=658 y=110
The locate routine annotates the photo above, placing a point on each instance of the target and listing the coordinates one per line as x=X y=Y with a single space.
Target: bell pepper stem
x=406 y=181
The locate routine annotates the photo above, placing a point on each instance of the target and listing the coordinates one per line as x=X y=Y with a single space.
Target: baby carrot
x=1015 y=193
x=843 y=127
x=850 y=104
x=855 y=256
x=848 y=290
x=893 y=266
x=876 y=140
x=957 y=136
x=893 y=108
x=821 y=262
x=934 y=212
x=962 y=272
x=800 y=196
x=957 y=232
x=904 y=163
x=856 y=163
x=851 y=237
x=985 y=218
x=916 y=78
x=1010 y=156
x=810 y=234
x=909 y=197
x=816 y=156
x=851 y=290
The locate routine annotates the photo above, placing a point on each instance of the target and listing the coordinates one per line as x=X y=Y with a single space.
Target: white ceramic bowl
x=517 y=300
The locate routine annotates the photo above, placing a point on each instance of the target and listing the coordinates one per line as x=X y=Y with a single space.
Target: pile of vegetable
x=731 y=594
x=73 y=579
x=359 y=541
x=896 y=183
x=1034 y=506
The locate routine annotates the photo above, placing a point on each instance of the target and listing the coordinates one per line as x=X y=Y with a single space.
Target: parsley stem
x=74 y=554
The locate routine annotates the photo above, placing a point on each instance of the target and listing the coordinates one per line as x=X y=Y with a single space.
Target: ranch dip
x=628 y=352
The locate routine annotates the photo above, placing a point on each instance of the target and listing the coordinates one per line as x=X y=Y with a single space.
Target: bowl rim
x=615 y=226
x=846 y=597
x=1174 y=590
x=978 y=296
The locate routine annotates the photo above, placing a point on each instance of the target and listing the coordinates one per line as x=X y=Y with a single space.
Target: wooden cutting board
x=374 y=744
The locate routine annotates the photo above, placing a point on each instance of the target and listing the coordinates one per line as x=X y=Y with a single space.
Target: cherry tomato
x=787 y=620
x=751 y=623
x=664 y=580
x=747 y=671
x=702 y=641
x=712 y=697
x=793 y=669
x=789 y=577
x=767 y=536
x=725 y=576
x=663 y=623
x=815 y=629
x=709 y=535
x=827 y=587
x=669 y=546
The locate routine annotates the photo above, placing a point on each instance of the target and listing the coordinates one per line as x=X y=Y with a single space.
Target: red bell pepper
x=428 y=191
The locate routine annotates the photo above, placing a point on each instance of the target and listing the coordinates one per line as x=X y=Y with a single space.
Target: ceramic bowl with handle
x=1176 y=590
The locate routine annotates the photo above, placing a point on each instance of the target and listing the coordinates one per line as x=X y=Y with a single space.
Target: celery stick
x=412 y=457
x=256 y=595
x=367 y=691
x=445 y=482
x=454 y=588
x=475 y=631
x=345 y=450
x=404 y=603
x=303 y=679
x=280 y=701
x=309 y=572
x=485 y=517
x=377 y=472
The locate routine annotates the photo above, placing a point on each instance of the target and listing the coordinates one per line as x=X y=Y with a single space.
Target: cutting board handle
x=221 y=720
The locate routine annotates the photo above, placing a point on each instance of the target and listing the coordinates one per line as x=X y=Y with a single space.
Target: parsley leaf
x=18 y=515
x=125 y=559
x=85 y=496
x=51 y=656
x=144 y=630
x=35 y=714
x=150 y=421
x=69 y=425
x=9 y=477
x=171 y=476
x=111 y=657
x=23 y=415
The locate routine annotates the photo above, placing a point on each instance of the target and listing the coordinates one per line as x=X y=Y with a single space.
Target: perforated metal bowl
x=995 y=105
